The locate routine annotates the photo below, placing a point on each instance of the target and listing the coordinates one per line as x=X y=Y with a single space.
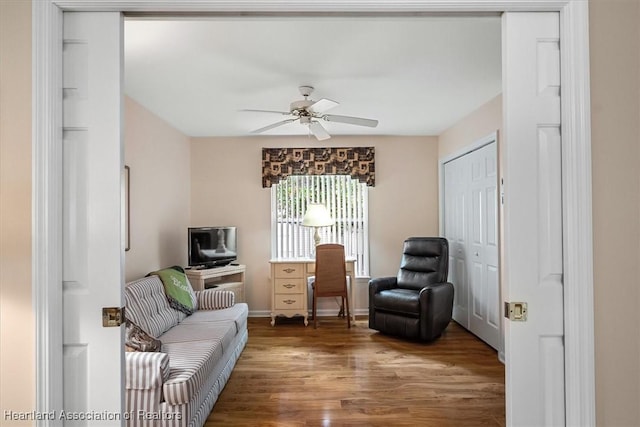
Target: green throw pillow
x=178 y=289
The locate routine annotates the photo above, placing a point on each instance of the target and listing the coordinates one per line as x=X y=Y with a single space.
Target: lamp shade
x=317 y=215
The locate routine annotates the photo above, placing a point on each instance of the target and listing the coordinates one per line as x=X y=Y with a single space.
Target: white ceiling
x=417 y=75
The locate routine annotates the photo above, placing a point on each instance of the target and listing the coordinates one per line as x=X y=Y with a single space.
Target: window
x=346 y=199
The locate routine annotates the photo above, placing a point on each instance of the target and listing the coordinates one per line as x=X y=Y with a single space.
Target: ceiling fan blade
x=266 y=111
x=322 y=105
x=350 y=120
x=318 y=131
x=274 y=125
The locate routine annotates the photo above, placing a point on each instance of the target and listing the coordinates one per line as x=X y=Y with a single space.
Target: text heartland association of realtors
x=89 y=415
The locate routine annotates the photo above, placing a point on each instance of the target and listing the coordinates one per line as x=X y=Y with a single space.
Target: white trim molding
x=475 y=145
x=304 y=6
x=47 y=170
x=47 y=205
x=577 y=222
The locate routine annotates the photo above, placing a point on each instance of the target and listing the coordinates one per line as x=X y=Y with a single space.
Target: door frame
x=576 y=165
x=476 y=145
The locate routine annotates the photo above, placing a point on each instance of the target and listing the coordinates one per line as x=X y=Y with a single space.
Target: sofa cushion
x=218 y=331
x=238 y=314
x=147 y=306
x=190 y=364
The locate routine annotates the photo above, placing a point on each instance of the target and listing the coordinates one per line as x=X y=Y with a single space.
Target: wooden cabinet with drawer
x=289 y=290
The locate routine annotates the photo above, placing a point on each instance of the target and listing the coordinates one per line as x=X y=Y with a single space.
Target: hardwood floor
x=291 y=375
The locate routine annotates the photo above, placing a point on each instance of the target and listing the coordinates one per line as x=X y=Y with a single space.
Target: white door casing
x=533 y=235
x=576 y=170
x=93 y=261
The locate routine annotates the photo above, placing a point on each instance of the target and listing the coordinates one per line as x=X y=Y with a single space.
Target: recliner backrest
x=425 y=260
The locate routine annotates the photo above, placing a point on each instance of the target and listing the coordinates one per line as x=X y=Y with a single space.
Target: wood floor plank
x=291 y=375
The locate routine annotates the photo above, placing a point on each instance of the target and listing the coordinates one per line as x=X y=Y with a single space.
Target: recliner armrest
x=382 y=283
x=436 y=292
x=435 y=286
x=377 y=285
x=437 y=300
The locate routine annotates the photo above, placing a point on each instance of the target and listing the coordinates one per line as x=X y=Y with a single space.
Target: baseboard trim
x=321 y=313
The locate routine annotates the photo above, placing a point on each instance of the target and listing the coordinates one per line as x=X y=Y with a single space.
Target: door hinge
x=112 y=316
x=516 y=311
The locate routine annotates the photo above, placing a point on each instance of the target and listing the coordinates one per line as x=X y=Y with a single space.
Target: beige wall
x=477 y=125
x=616 y=181
x=615 y=99
x=160 y=182
x=227 y=189
x=17 y=327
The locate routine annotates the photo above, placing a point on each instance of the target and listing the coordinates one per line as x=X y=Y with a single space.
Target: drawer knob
x=289 y=270
x=289 y=301
x=289 y=286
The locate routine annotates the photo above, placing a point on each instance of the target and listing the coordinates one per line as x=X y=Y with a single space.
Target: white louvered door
x=93 y=250
x=534 y=348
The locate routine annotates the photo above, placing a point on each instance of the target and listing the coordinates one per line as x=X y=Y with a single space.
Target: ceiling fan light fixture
x=309 y=112
x=299 y=106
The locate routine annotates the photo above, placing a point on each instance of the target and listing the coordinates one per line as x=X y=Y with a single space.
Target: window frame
x=331 y=232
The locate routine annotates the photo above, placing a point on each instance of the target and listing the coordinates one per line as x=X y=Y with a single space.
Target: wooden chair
x=330 y=277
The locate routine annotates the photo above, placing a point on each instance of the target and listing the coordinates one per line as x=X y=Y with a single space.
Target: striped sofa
x=178 y=386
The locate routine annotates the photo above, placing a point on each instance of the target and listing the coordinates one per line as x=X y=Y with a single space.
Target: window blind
x=345 y=198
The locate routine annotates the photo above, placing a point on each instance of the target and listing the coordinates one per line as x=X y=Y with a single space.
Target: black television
x=212 y=246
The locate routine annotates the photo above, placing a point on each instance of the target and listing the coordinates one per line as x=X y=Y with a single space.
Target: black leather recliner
x=418 y=302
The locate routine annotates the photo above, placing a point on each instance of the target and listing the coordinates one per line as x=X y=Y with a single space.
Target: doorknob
x=516 y=311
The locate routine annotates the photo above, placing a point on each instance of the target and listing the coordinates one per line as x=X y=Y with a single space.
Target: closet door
x=484 y=284
x=456 y=177
x=471 y=226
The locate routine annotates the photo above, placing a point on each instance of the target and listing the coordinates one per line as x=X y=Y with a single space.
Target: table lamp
x=316 y=216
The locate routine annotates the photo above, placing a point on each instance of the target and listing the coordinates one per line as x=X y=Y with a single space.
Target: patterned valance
x=357 y=162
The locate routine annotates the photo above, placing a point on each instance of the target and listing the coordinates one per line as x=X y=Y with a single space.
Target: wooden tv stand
x=228 y=278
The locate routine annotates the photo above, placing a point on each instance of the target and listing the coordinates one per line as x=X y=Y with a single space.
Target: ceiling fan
x=310 y=113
